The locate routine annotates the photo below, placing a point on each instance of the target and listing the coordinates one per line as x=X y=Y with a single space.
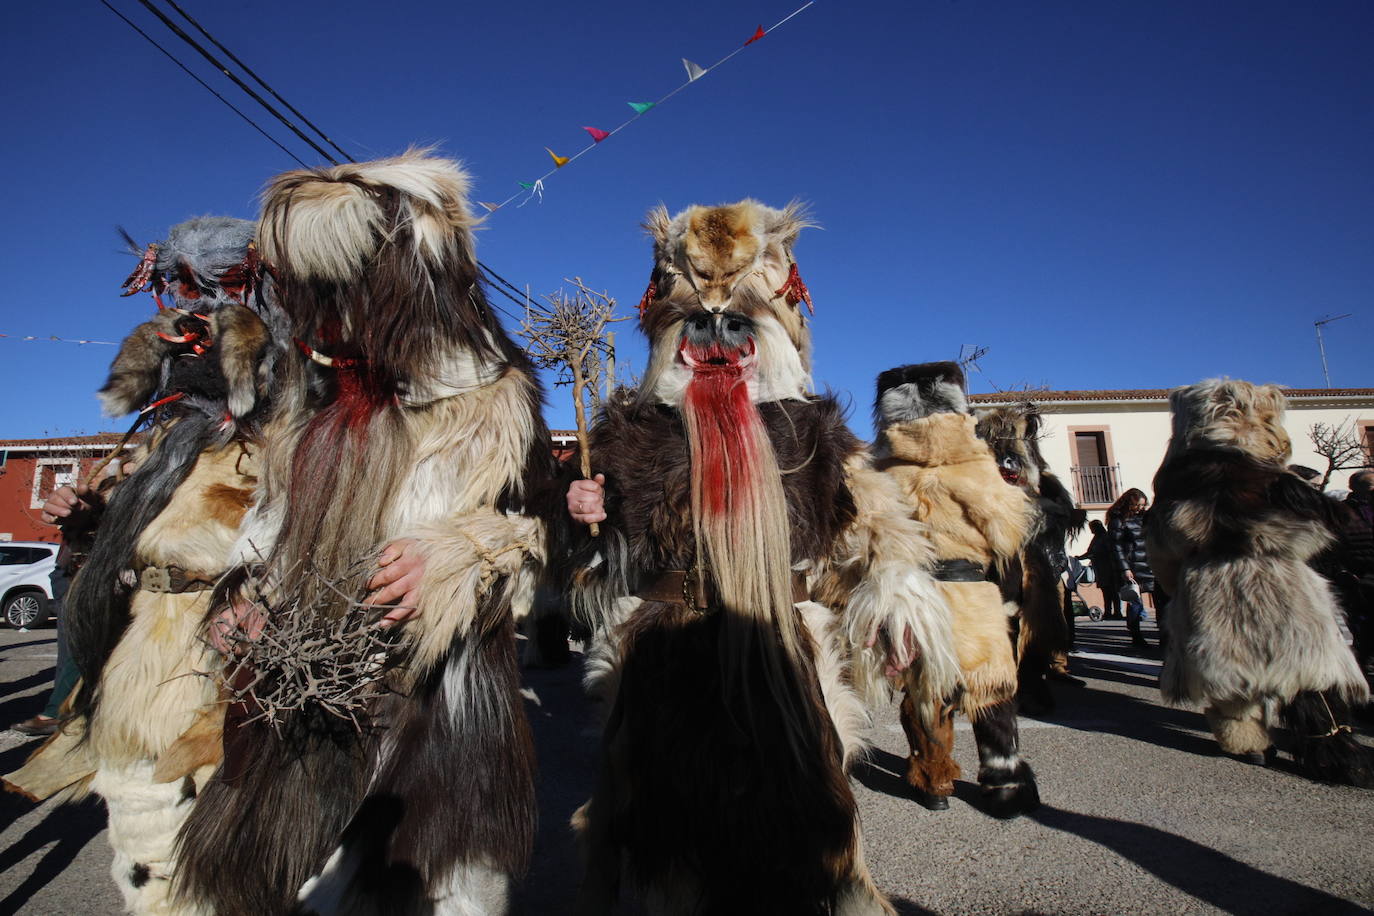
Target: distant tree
x=1340 y=447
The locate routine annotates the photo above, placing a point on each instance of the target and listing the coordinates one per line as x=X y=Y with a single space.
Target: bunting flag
x=695 y=71
x=536 y=190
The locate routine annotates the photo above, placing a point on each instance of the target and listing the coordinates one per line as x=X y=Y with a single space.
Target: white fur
x=144 y=817
x=847 y=711
x=780 y=373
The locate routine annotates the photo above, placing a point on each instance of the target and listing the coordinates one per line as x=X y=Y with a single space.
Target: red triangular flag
x=758 y=33
x=597 y=133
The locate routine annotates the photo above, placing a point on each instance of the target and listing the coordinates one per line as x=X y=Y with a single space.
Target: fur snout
x=717 y=339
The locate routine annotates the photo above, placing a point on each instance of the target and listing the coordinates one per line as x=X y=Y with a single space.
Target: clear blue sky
x=1106 y=194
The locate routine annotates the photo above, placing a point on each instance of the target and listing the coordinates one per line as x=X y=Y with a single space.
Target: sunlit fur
x=1228 y=413
x=952 y=484
x=878 y=578
x=1250 y=624
x=426 y=427
x=733 y=257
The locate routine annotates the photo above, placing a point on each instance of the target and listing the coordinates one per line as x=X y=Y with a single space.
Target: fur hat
x=912 y=392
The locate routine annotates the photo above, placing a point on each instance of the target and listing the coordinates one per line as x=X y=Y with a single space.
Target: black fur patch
x=139 y=875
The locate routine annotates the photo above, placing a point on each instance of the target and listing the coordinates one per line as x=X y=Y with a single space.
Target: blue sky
x=1105 y=194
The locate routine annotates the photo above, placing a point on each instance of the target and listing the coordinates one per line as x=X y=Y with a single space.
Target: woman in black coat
x=1102 y=552
x=1126 y=527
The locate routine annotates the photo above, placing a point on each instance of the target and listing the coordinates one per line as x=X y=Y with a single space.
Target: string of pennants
x=53 y=338
x=532 y=190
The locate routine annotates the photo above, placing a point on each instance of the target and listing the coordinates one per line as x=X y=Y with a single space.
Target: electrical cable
x=246 y=69
x=181 y=33
x=202 y=82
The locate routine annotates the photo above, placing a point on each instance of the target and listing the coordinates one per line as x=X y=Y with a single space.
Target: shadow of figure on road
x=1211 y=876
x=68 y=828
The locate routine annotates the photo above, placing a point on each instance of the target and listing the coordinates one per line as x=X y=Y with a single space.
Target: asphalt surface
x=1141 y=813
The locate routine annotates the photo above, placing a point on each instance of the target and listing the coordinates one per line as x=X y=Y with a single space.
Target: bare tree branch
x=1340 y=447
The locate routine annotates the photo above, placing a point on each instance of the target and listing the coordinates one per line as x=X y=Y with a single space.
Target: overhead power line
x=215 y=62
x=208 y=88
x=246 y=69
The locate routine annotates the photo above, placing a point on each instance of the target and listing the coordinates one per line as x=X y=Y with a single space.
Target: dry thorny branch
x=1340 y=447
x=304 y=663
x=569 y=336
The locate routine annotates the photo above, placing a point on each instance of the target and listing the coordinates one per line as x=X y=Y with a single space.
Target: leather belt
x=174 y=580
x=683 y=586
x=959 y=571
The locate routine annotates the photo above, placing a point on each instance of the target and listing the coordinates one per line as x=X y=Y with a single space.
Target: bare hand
x=900 y=653
x=587 y=500
x=397 y=581
x=1130 y=577
x=241 y=620
x=66 y=502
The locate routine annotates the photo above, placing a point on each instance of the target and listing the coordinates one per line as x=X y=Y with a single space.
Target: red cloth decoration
x=597 y=133
x=795 y=290
x=758 y=33
x=648 y=298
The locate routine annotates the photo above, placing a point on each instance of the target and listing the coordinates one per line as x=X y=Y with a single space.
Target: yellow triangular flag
x=558 y=161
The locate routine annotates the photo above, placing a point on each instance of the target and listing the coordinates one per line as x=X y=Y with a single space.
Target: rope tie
x=489 y=556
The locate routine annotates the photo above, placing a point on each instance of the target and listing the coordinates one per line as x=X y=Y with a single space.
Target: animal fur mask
x=733 y=260
x=1230 y=415
x=220 y=341
x=914 y=392
x=376 y=269
x=1013 y=433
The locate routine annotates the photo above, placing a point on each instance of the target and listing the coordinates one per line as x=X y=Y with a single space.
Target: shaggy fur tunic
x=1230 y=539
x=952 y=484
x=759 y=825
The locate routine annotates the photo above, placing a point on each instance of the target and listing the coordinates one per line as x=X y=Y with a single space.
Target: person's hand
x=397 y=580
x=241 y=620
x=1130 y=577
x=587 y=500
x=901 y=653
x=65 y=503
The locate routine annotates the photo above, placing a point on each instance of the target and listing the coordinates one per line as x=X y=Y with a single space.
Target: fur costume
x=927 y=442
x=1042 y=640
x=731 y=712
x=1229 y=538
x=145 y=731
x=373 y=770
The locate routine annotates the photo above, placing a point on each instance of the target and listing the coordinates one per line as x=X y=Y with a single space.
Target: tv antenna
x=1321 y=344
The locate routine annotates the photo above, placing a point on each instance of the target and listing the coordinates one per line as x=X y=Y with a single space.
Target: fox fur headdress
x=732 y=259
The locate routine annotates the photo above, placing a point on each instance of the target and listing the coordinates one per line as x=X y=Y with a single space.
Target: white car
x=25 y=583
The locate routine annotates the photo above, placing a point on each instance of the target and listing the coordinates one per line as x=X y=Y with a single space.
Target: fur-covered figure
x=1250 y=623
x=1042 y=640
x=145 y=726
x=927 y=441
x=371 y=768
x=731 y=710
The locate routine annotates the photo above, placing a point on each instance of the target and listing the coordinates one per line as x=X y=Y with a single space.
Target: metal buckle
x=693 y=577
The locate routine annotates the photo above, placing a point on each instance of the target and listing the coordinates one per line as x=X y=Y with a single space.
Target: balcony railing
x=1097 y=484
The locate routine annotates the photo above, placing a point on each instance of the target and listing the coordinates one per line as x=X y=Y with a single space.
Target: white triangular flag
x=693 y=70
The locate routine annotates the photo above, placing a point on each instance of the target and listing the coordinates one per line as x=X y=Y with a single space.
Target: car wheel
x=1095 y=613
x=26 y=609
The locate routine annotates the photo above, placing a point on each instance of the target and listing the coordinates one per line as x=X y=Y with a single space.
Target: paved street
x=1140 y=815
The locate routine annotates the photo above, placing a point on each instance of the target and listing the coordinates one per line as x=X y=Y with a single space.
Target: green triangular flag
x=526 y=185
x=640 y=107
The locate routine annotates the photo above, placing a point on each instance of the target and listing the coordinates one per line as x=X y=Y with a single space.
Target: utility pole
x=1321 y=344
